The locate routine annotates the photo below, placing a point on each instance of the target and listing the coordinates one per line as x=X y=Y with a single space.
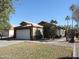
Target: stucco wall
x=34 y=31
x=60 y=32
x=11 y=33
x=7 y=33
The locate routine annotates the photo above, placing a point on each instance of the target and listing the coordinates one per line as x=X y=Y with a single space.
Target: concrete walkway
x=76 y=51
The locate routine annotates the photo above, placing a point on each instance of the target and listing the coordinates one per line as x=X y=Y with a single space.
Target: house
x=27 y=30
x=60 y=31
x=7 y=32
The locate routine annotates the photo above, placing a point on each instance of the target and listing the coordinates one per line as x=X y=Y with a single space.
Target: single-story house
x=7 y=32
x=60 y=31
x=27 y=30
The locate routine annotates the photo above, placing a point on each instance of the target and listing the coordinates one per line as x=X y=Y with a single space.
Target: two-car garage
x=23 y=34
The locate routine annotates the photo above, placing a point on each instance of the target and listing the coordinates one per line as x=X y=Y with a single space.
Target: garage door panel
x=23 y=34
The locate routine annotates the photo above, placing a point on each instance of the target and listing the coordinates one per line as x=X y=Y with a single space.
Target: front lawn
x=34 y=51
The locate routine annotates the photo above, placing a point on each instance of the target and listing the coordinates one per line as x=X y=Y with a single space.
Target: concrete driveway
x=59 y=42
x=4 y=43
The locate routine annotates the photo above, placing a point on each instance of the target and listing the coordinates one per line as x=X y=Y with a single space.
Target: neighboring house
x=27 y=30
x=7 y=32
x=60 y=32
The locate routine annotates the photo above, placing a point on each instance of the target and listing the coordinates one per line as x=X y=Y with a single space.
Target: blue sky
x=39 y=10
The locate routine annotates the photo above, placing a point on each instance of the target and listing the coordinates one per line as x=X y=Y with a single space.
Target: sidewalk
x=76 y=50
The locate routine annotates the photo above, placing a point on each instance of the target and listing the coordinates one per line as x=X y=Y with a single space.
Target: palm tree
x=67 y=19
x=67 y=34
x=73 y=9
x=75 y=13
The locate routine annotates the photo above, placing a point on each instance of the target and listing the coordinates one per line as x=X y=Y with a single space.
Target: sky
x=41 y=10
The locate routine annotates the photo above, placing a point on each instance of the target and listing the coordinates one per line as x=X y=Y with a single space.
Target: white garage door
x=23 y=34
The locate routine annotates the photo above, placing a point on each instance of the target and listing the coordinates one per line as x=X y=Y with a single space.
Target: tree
x=46 y=28
x=6 y=9
x=53 y=21
x=73 y=8
x=75 y=12
x=67 y=19
x=53 y=28
x=49 y=29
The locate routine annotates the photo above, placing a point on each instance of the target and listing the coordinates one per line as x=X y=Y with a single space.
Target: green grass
x=34 y=51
